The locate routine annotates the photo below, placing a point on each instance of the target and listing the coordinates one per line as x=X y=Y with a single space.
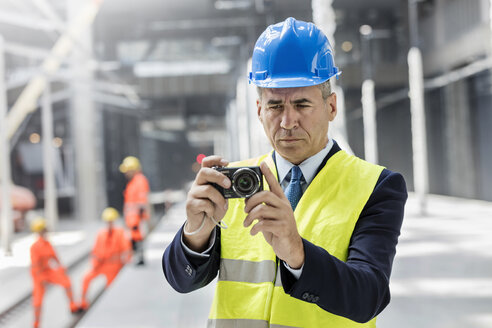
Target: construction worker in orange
x=136 y=206
x=109 y=254
x=46 y=269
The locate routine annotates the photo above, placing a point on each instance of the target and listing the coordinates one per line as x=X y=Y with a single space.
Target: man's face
x=296 y=120
x=129 y=174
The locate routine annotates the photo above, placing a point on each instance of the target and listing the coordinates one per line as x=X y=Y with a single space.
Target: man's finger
x=261 y=211
x=208 y=175
x=214 y=160
x=270 y=226
x=210 y=193
x=202 y=205
x=264 y=196
x=271 y=180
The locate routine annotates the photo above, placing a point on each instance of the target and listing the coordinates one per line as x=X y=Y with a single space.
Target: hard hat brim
x=123 y=168
x=291 y=82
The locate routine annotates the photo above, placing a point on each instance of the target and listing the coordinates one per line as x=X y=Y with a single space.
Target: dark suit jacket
x=357 y=289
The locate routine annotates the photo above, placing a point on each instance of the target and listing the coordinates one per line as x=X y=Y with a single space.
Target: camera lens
x=245 y=182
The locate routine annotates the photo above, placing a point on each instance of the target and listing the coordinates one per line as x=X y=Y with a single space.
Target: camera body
x=246 y=181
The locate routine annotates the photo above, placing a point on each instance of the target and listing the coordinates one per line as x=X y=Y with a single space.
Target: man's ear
x=332 y=106
x=258 y=107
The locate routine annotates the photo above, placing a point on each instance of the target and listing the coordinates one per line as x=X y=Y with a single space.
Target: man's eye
x=302 y=105
x=276 y=107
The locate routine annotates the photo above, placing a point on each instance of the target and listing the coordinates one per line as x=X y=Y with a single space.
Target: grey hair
x=325 y=88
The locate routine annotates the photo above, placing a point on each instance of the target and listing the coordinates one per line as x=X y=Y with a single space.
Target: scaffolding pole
x=6 y=204
x=50 y=197
x=324 y=18
x=419 y=135
x=369 y=118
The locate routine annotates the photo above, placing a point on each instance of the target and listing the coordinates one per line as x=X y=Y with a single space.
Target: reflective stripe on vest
x=241 y=323
x=134 y=208
x=237 y=323
x=326 y=216
x=247 y=271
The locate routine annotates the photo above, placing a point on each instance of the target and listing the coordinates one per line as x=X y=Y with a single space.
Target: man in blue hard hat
x=329 y=221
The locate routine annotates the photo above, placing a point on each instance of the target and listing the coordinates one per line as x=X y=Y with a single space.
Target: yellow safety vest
x=249 y=293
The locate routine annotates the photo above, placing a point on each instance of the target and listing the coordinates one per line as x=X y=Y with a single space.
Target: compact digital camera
x=246 y=181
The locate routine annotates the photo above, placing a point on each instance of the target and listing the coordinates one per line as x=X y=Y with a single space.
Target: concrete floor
x=442 y=275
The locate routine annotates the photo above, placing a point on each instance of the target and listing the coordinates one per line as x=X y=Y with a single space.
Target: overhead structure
x=74 y=35
x=27 y=101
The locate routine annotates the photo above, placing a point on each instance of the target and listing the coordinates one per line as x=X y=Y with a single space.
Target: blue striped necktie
x=294 y=190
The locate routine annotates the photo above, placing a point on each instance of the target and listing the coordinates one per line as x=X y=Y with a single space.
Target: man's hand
x=275 y=220
x=202 y=199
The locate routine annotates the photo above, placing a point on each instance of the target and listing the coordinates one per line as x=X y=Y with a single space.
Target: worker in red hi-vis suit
x=46 y=269
x=109 y=254
x=136 y=204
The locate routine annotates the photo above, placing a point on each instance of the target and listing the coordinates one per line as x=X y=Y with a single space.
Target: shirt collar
x=308 y=167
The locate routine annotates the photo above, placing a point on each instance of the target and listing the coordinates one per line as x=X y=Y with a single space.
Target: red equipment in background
x=23 y=200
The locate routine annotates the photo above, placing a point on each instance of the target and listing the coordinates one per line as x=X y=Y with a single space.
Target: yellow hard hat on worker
x=110 y=214
x=130 y=163
x=38 y=224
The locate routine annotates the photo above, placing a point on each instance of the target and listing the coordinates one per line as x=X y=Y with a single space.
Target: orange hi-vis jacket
x=111 y=250
x=136 y=204
x=42 y=254
x=110 y=253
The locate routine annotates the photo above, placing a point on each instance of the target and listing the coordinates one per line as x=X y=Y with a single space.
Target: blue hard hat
x=291 y=54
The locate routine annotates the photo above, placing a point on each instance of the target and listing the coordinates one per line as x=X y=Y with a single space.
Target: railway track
x=24 y=305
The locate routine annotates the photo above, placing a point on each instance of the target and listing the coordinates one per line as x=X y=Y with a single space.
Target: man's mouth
x=289 y=139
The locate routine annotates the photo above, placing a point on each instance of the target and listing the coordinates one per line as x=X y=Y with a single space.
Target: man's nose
x=290 y=118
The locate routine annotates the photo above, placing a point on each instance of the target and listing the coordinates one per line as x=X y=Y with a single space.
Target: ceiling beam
x=27 y=21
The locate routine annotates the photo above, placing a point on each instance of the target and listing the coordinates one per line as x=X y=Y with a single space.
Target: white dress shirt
x=308 y=168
